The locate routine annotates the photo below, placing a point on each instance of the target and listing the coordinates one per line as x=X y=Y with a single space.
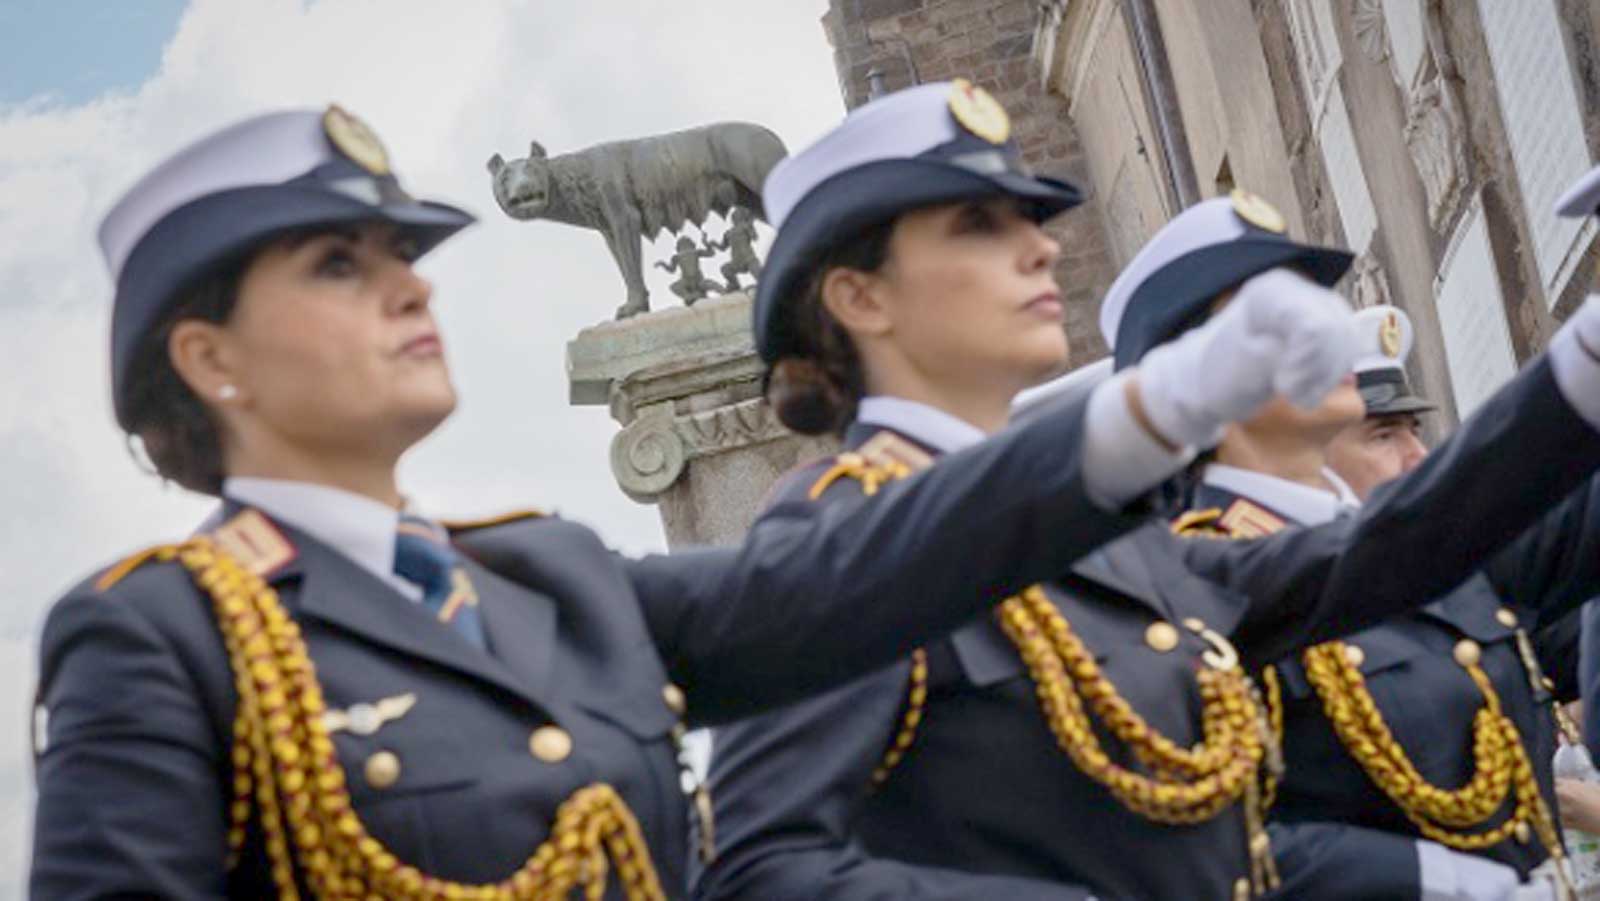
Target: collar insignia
x=1243 y=519
x=252 y=540
x=351 y=137
x=884 y=458
x=1257 y=211
x=978 y=112
x=889 y=449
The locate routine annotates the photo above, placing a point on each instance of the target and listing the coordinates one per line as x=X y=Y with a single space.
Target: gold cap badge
x=1257 y=211
x=351 y=137
x=1389 y=336
x=978 y=112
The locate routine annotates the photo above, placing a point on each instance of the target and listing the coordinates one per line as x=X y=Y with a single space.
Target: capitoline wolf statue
x=630 y=190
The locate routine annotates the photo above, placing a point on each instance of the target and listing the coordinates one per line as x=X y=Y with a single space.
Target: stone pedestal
x=697 y=438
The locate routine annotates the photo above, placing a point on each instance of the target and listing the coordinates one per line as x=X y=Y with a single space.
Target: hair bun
x=807 y=398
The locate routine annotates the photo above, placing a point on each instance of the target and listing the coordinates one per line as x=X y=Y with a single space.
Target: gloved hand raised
x=1280 y=334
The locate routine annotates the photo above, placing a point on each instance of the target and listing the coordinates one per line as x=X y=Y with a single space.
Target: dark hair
x=180 y=436
x=815 y=390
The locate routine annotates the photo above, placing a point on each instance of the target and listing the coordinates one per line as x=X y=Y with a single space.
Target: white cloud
x=445 y=85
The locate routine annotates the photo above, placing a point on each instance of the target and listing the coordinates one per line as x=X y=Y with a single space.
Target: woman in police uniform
x=322 y=693
x=1099 y=736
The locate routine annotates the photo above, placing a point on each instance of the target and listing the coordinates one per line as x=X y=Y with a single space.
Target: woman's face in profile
x=970 y=290
x=334 y=343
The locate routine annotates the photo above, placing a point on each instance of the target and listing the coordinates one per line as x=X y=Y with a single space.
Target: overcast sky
x=88 y=100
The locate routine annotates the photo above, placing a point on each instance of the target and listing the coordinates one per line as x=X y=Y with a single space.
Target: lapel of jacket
x=609 y=652
x=319 y=583
x=1126 y=569
x=521 y=625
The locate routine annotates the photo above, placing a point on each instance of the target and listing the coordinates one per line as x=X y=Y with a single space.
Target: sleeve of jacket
x=821 y=593
x=130 y=799
x=1558 y=646
x=1468 y=500
x=1320 y=861
x=1554 y=567
x=787 y=786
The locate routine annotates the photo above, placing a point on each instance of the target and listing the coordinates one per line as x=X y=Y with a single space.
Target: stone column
x=697 y=438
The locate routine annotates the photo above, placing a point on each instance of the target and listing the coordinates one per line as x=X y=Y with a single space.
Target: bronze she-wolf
x=628 y=190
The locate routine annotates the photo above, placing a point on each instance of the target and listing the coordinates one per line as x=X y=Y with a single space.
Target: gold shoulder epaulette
x=1246 y=520
x=132 y=562
x=1199 y=524
x=467 y=525
x=254 y=542
x=884 y=457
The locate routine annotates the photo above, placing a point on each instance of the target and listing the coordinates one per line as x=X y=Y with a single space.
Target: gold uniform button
x=550 y=744
x=673 y=695
x=1467 y=652
x=1194 y=624
x=1354 y=655
x=382 y=769
x=1507 y=617
x=1161 y=636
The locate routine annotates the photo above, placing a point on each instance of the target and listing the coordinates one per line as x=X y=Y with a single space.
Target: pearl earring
x=227 y=392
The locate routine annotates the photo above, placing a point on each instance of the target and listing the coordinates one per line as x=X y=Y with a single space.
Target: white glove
x=1575 y=360
x=1281 y=334
x=1453 y=876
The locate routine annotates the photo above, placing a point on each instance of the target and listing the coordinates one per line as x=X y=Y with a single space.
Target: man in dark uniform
x=941 y=777
x=1387 y=442
x=1417 y=752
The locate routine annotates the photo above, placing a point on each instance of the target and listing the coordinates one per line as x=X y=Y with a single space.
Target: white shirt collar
x=358 y=527
x=1299 y=503
x=929 y=425
x=1347 y=495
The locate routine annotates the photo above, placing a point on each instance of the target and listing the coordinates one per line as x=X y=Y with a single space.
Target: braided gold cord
x=916 y=703
x=873 y=474
x=283 y=758
x=1500 y=761
x=1189 y=785
x=1200 y=524
x=1273 y=702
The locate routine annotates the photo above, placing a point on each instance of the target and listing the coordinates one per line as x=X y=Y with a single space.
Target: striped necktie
x=424 y=557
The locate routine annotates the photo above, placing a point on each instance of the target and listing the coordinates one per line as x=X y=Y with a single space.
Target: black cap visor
x=859 y=198
x=1386 y=392
x=196 y=238
x=1179 y=295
